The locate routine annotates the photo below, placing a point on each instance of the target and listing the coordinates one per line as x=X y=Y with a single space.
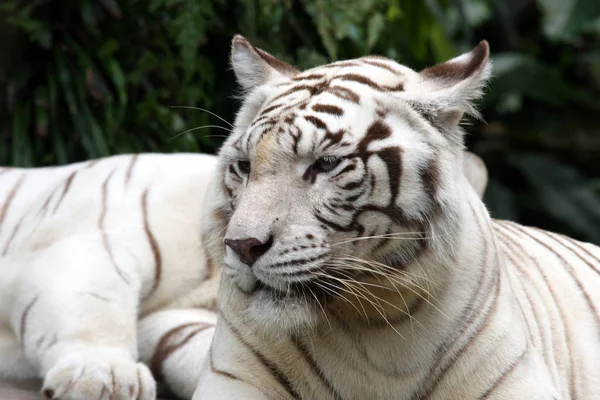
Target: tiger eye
x=244 y=166
x=326 y=164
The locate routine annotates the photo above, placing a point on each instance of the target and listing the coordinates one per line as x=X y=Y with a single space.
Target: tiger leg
x=74 y=314
x=13 y=364
x=175 y=343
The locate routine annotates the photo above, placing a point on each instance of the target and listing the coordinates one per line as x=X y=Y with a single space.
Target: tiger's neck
x=416 y=347
x=410 y=355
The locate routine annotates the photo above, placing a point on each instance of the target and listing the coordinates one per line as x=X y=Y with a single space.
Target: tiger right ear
x=254 y=67
x=444 y=92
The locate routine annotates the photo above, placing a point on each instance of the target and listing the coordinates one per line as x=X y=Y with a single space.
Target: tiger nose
x=250 y=249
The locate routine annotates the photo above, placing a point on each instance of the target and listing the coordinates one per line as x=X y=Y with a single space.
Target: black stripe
x=307 y=355
x=316 y=122
x=347 y=168
x=65 y=190
x=517 y=230
x=268 y=110
x=380 y=64
x=439 y=371
x=328 y=109
x=333 y=225
x=344 y=93
x=503 y=375
x=297 y=262
x=269 y=365
x=103 y=210
x=23 y=323
x=152 y=241
x=366 y=81
x=221 y=372
x=13 y=234
x=9 y=199
x=129 y=172
x=354 y=185
x=308 y=77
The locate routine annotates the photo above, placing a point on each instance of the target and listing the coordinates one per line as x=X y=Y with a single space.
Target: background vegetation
x=89 y=78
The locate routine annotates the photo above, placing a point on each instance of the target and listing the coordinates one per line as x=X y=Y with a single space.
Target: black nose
x=249 y=249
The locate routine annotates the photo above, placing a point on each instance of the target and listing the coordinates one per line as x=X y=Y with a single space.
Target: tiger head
x=340 y=187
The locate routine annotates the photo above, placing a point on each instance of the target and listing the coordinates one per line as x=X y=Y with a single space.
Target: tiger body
x=102 y=266
x=100 y=260
x=358 y=261
x=354 y=258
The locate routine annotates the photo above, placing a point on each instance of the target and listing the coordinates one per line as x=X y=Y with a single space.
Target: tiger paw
x=98 y=373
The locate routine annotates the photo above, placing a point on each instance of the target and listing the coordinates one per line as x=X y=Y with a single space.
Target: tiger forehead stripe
x=328 y=108
x=380 y=64
x=344 y=93
x=367 y=81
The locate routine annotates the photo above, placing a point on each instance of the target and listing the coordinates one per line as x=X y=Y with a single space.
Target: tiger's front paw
x=98 y=373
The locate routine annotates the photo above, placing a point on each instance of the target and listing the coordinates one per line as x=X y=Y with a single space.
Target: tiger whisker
x=376 y=274
x=399 y=276
x=206 y=111
x=349 y=288
x=395 y=236
x=363 y=284
x=337 y=294
x=407 y=287
x=383 y=266
x=201 y=127
x=321 y=306
x=377 y=307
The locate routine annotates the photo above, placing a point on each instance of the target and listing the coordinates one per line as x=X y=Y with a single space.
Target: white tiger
x=90 y=248
x=87 y=250
x=359 y=263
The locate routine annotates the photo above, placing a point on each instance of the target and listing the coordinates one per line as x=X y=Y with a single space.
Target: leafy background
x=89 y=78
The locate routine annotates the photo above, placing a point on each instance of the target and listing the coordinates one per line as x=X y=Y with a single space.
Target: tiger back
x=99 y=261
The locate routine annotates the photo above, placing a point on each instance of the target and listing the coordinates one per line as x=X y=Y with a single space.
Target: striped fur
x=360 y=264
x=88 y=250
x=142 y=213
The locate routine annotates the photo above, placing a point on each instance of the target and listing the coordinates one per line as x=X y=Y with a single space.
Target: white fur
x=80 y=328
x=88 y=321
x=488 y=325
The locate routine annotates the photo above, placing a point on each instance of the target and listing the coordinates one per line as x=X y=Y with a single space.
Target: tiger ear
x=446 y=91
x=254 y=67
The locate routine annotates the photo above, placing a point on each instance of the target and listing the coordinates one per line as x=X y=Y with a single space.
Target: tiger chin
x=358 y=261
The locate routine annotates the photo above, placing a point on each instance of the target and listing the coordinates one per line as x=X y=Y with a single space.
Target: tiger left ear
x=446 y=91
x=254 y=67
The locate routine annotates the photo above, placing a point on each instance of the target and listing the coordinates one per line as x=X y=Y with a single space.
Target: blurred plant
x=94 y=78
x=98 y=77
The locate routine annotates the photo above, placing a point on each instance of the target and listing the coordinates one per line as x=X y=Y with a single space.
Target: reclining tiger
x=360 y=264
x=353 y=257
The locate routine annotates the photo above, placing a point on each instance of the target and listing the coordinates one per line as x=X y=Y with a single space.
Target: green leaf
x=501 y=201
x=112 y=7
x=60 y=148
x=441 y=47
x=375 y=27
x=21 y=145
x=115 y=72
x=524 y=74
x=564 y=19
x=562 y=192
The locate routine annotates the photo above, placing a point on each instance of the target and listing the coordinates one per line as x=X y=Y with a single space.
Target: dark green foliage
x=87 y=78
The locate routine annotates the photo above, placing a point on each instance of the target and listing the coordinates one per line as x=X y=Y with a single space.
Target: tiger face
x=338 y=180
